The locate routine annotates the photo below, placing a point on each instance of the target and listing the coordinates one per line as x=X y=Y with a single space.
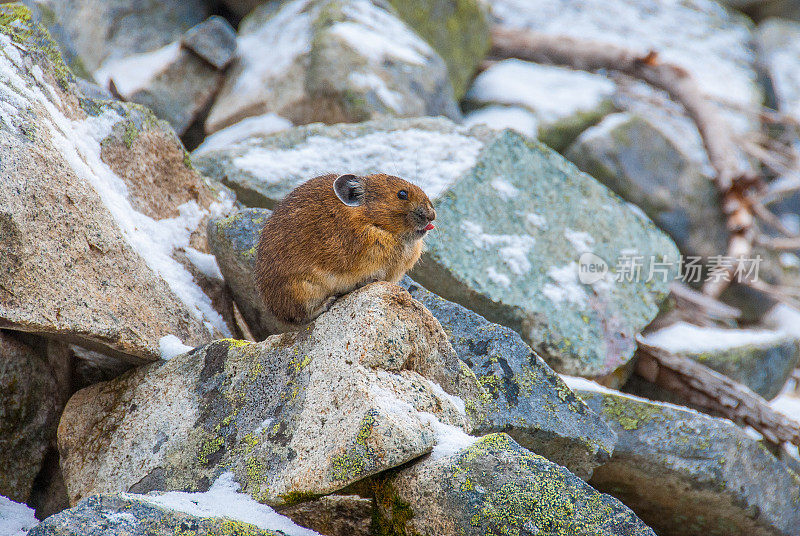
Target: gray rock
x=132 y=515
x=686 y=473
x=101 y=213
x=331 y=61
x=528 y=400
x=242 y=7
x=784 y=9
x=761 y=359
x=778 y=45
x=494 y=486
x=457 y=29
x=90 y=32
x=29 y=411
x=563 y=102
x=371 y=384
x=214 y=40
x=334 y=515
x=513 y=220
x=234 y=242
x=632 y=155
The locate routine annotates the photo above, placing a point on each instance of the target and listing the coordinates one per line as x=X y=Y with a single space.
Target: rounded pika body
x=334 y=234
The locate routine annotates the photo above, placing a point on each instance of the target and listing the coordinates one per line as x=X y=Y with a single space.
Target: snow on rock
x=684 y=337
x=15 y=519
x=500 y=117
x=223 y=499
x=779 y=48
x=170 y=346
x=133 y=73
x=252 y=126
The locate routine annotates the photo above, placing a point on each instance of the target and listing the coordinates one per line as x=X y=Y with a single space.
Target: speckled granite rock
x=686 y=473
x=101 y=213
x=494 y=486
x=331 y=61
x=297 y=416
x=513 y=218
x=29 y=411
x=457 y=29
x=527 y=399
x=132 y=515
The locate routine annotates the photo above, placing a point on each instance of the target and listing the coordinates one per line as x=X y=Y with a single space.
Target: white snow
x=512 y=249
x=449 y=439
x=496 y=277
x=378 y=35
x=171 y=346
x=432 y=160
x=132 y=73
x=502 y=117
x=551 y=93
x=537 y=220
x=458 y=402
x=781 y=46
x=505 y=189
x=155 y=240
x=15 y=519
x=206 y=263
x=259 y=125
x=683 y=337
x=565 y=287
x=783 y=318
x=370 y=80
x=580 y=240
x=223 y=500
x=789 y=260
x=788 y=401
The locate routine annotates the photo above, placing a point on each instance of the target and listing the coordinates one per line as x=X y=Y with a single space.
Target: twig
x=732 y=179
x=707 y=389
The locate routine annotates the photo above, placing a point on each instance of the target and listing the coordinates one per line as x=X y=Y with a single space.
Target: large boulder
x=686 y=473
x=494 y=486
x=457 y=29
x=526 y=398
x=221 y=510
x=29 y=411
x=331 y=61
x=90 y=32
x=101 y=213
x=177 y=81
x=513 y=219
x=562 y=102
x=370 y=385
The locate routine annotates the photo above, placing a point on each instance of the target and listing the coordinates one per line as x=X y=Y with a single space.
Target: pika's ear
x=349 y=189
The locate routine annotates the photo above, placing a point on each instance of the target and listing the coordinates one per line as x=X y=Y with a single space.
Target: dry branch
x=711 y=391
x=732 y=178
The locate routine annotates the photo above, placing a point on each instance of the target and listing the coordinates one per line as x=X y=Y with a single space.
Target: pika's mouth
x=423 y=231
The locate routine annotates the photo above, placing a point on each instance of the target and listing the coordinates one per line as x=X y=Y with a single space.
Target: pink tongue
x=429 y=227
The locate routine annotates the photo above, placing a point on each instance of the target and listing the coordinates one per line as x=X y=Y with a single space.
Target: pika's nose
x=424 y=214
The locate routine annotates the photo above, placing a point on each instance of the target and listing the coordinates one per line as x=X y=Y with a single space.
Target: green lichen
x=629 y=414
x=359 y=458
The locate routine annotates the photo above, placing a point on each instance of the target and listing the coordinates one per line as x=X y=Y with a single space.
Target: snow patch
x=133 y=73
x=512 y=249
x=206 y=263
x=371 y=81
x=496 y=277
x=565 y=287
x=684 y=337
x=580 y=240
x=170 y=346
x=505 y=189
x=502 y=117
x=223 y=500
x=785 y=319
x=259 y=125
x=15 y=519
x=431 y=160
x=536 y=220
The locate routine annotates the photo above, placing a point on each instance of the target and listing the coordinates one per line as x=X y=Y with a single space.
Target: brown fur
x=315 y=248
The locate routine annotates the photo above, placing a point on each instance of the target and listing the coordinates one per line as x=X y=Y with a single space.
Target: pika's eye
x=402 y=194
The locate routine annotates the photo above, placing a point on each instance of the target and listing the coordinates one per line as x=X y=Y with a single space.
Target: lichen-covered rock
x=234 y=242
x=494 y=486
x=778 y=47
x=761 y=359
x=331 y=61
x=686 y=473
x=101 y=212
x=631 y=155
x=140 y=515
x=177 y=81
x=527 y=400
x=89 y=32
x=562 y=101
x=362 y=389
x=513 y=218
x=457 y=29
x=29 y=411
x=334 y=515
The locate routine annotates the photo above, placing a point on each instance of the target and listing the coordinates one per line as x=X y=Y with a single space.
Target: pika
x=334 y=234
